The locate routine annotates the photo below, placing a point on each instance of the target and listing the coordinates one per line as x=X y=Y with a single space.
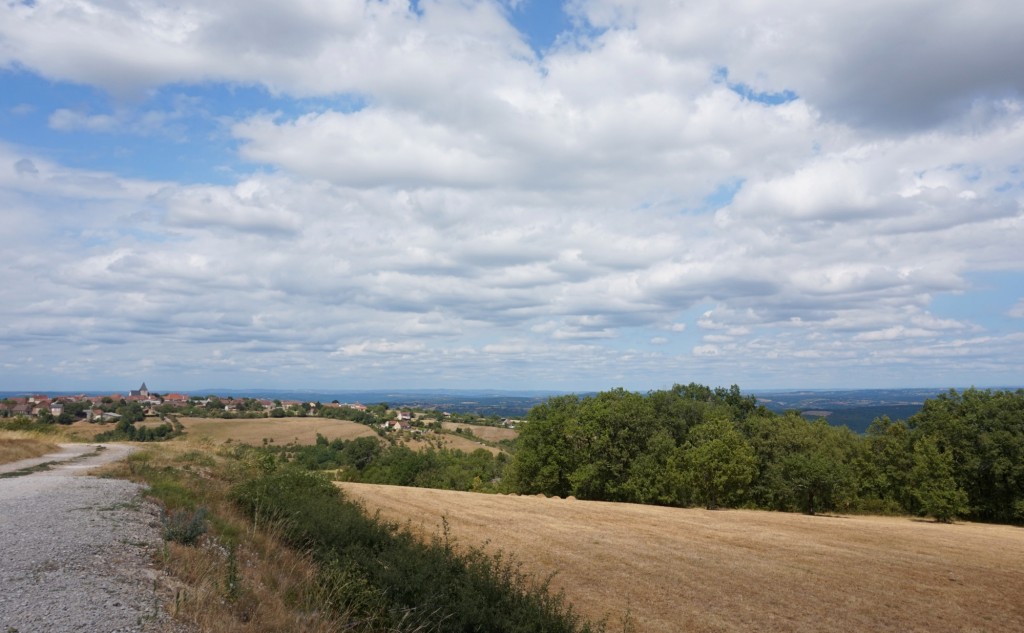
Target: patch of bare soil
x=695 y=570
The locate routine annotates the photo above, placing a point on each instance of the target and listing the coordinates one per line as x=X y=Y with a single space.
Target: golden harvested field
x=489 y=433
x=280 y=430
x=738 y=570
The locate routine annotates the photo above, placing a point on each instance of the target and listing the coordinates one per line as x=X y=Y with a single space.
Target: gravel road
x=76 y=551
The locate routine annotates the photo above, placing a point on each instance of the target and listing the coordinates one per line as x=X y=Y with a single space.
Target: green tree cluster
x=125 y=430
x=962 y=455
x=368 y=460
x=676 y=447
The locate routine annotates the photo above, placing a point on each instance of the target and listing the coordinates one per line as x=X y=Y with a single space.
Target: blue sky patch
x=541 y=21
x=722 y=195
x=180 y=132
x=991 y=296
x=721 y=75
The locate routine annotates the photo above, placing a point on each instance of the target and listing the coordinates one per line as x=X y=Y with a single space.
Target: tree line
x=961 y=455
x=371 y=460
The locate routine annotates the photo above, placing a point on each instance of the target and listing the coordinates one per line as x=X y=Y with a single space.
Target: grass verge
x=230 y=577
x=276 y=549
x=387 y=578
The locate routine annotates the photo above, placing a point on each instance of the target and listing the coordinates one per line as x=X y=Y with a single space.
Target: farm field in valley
x=280 y=430
x=288 y=430
x=447 y=440
x=489 y=433
x=737 y=570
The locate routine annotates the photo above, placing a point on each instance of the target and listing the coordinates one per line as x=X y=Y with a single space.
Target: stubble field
x=696 y=570
x=278 y=430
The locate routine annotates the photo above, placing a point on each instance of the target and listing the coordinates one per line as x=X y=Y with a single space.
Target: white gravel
x=76 y=552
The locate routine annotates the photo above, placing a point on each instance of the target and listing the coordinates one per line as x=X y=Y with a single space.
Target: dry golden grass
x=489 y=433
x=280 y=430
x=270 y=583
x=84 y=431
x=18 y=445
x=697 y=570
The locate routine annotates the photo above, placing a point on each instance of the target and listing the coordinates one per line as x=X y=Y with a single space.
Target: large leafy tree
x=613 y=430
x=656 y=476
x=984 y=432
x=810 y=466
x=547 y=448
x=934 y=486
x=719 y=464
x=884 y=467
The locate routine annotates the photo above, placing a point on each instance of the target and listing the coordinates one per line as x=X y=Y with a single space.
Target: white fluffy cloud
x=624 y=209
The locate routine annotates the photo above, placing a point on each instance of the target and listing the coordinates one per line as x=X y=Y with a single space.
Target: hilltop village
x=139 y=404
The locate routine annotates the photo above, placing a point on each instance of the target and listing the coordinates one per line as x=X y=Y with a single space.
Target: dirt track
x=77 y=550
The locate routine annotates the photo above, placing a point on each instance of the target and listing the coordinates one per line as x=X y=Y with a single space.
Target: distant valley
x=852 y=408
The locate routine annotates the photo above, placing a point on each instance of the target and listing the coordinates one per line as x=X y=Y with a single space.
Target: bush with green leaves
x=387 y=575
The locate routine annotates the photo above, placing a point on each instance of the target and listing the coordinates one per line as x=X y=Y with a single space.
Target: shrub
x=387 y=575
x=184 y=526
x=22 y=423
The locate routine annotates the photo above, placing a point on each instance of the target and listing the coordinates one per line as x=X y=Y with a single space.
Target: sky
x=511 y=194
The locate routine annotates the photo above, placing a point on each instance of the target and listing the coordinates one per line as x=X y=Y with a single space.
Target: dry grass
x=84 y=431
x=262 y=590
x=279 y=430
x=18 y=445
x=697 y=570
x=489 y=433
x=242 y=580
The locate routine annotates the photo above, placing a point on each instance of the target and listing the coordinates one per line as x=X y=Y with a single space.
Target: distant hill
x=855 y=408
x=485 y=402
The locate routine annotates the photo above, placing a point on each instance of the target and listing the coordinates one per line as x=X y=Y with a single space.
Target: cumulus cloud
x=249 y=206
x=878 y=64
x=455 y=207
